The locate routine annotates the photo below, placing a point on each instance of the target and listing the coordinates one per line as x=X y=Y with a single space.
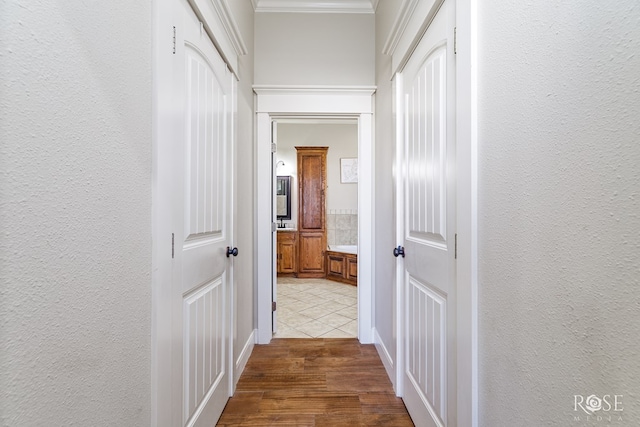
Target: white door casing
x=428 y=225
x=274 y=219
x=273 y=102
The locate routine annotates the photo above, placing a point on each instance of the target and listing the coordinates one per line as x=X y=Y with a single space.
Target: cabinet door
x=352 y=269
x=311 y=190
x=335 y=266
x=287 y=257
x=311 y=255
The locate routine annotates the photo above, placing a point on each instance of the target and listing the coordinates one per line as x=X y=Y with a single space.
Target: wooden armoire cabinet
x=312 y=237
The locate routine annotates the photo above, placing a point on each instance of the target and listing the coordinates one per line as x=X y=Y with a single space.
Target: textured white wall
x=314 y=49
x=75 y=213
x=559 y=209
x=342 y=140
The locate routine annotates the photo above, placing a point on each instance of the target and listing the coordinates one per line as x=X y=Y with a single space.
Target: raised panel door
x=287 y=258
x=429 y=291
x=352 y=269
x=311 y=255
x=311 y=188
x=335 y=267
x=202 y=193
x=287 y=251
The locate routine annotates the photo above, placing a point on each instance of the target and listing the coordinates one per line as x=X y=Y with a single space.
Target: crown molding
x=316 y=6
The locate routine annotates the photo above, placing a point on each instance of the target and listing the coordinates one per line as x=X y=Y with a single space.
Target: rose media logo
x=595 y=408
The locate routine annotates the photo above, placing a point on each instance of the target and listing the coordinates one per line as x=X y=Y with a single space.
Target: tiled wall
x=342 y=227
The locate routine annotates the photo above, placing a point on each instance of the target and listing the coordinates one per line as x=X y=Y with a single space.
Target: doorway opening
x=278 y=103
x=312 y=304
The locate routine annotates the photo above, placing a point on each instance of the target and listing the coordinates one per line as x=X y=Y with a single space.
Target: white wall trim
x=303 y=101
x=467 y=207
x=243 y=357
x=399 y=164
x=306 y=89
x=221 y=26
x=385 y=355
x=164 y=128
x=366 y=220
x=264 y=239
x=315 y=6
x=314 y=100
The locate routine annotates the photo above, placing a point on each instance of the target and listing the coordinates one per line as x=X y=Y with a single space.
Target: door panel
x=202 y=271
x=205 y=147
x=352 y=269
x=287 y=257
x=204 y=342
x=426 y=347
x=426 y=150
x=311 y=249
x=429 y=226
x=312 y=193
x=336 y=266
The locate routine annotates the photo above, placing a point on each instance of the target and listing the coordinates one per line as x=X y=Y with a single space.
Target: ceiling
x=316 y=6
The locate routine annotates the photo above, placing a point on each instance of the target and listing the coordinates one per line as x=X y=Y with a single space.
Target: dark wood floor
x=315 y=382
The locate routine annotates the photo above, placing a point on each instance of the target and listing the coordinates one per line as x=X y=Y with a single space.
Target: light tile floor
x=316 y=308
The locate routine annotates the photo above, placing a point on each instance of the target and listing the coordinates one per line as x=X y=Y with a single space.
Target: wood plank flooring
x=314 y=382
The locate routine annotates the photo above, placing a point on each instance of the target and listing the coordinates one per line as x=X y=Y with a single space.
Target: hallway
x=107 y=189
x=314 y=382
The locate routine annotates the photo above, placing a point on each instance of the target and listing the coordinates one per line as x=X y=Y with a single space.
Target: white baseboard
x=385 y=356
x=243 y=358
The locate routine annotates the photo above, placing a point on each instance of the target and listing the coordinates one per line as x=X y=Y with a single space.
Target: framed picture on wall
x=349 y=170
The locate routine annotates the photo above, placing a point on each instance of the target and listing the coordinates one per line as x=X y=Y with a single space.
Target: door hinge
x=274 y=147
x=455 y=250
x=273 y=306
x=173 y=241
x=174 y=39
x=455 y=40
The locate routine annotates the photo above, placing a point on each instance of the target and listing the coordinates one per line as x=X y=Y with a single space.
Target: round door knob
x=398 y=251
x=231 y=251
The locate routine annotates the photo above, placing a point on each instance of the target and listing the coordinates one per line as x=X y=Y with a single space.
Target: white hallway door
x=202 y=273
x=428 y=237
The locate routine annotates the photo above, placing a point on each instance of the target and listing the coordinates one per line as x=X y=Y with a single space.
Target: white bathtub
x=349 y=249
